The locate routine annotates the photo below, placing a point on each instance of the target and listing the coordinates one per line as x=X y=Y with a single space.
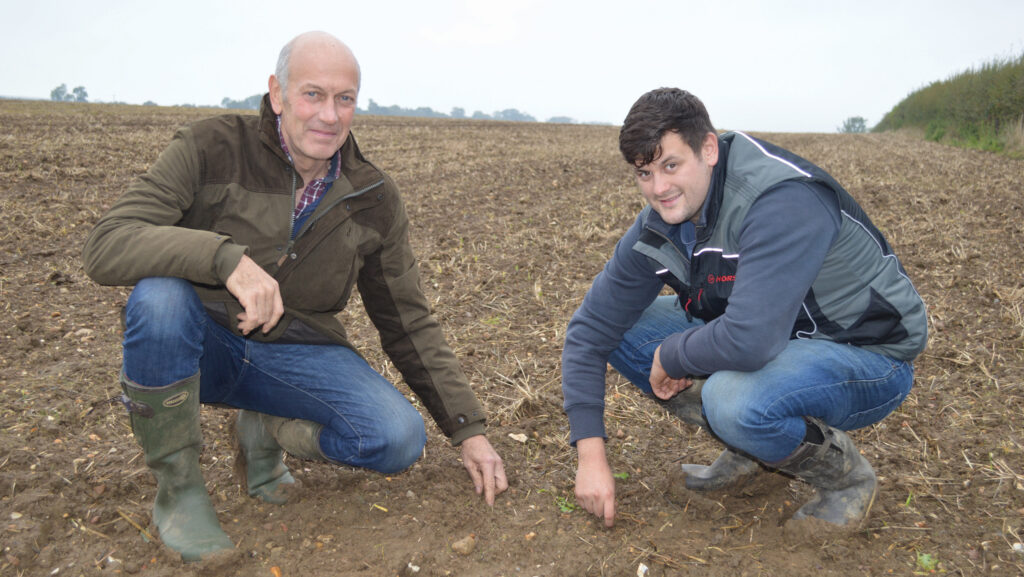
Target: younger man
x=794 y=321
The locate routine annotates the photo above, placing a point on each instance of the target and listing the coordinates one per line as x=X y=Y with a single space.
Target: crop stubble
x=510 y=223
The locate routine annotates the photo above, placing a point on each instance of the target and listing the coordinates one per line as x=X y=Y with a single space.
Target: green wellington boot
x=300 y=438
x=259 y=461
x=165 y=421
x=845 y=481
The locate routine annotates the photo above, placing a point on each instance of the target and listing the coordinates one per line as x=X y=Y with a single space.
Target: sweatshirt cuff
x=670 y=357
x=586 y=422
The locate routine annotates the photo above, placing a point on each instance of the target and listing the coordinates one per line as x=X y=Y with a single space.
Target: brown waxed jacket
x=224 y=188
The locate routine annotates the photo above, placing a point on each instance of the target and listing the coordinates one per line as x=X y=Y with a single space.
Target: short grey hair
x=283 y=61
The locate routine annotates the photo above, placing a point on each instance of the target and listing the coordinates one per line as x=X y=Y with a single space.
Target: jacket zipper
x=292 y=237
x=291 y=223
x=359 y=192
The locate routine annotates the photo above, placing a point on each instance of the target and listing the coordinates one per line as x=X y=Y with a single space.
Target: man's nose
x=328 y=114
x=661 y=184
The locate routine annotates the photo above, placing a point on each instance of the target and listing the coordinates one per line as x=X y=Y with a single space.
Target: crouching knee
x=163 y=309
x=398 y=446
x=733 y=418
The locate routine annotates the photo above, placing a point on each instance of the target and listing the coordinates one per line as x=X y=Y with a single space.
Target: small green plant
x=565 y=505
x=926 y=563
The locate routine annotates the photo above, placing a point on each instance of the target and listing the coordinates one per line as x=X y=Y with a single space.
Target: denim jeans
x=762 y=412
x=367 y=422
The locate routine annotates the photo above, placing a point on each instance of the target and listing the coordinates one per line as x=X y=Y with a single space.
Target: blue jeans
x=367 y=422
x=762 y=412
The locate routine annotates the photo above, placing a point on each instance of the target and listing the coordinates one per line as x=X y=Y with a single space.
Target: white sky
x=776 y=65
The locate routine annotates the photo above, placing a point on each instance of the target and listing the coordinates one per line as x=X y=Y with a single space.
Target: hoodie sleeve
x=618 y=296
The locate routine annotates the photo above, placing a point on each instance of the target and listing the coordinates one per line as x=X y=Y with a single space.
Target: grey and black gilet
x=861 y=296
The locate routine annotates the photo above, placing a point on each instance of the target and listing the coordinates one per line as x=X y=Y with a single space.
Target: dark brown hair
x=657 y=112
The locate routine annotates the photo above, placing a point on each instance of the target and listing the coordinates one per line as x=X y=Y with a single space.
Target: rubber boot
x=686 y=405
x=728 y=469
x=259 y=460
x=165 y=421
x=844 y=479
x=299 y=437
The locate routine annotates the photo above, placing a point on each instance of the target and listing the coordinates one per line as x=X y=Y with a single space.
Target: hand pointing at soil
x=484 y=466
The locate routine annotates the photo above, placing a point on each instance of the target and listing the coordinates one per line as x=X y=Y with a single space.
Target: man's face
x=317 y=109
x=676 y=183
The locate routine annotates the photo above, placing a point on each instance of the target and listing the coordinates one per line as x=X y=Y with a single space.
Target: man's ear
x=709 y=149
x=276 y=97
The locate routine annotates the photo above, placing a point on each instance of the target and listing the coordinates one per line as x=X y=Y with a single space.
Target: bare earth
x=511 y=222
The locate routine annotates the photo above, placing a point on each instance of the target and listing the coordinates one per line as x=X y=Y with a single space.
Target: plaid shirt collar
x=315 y=189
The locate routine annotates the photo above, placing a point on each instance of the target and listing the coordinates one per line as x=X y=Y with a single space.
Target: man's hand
x=664 y=386
x=484 y=466
x=595 y=486
x=258 y=294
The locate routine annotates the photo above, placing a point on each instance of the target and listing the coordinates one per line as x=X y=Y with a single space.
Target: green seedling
x=926 y=563
x=565 y=505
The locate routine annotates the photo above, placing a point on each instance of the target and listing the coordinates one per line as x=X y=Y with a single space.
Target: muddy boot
x=686 y=405
x=259 y=460
x=728 y=469
x=299 y=437
x=829 y=461
x=165 y=421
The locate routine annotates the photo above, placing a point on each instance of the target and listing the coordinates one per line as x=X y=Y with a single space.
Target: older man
x=243 y=241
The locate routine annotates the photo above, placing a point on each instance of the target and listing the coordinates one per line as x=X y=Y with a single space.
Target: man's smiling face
x=676 y=182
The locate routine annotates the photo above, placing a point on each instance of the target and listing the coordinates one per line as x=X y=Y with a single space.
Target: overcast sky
x=779 y=65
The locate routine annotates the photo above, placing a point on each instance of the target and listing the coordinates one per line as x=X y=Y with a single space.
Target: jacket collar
x=267 y=128
x=713 y=204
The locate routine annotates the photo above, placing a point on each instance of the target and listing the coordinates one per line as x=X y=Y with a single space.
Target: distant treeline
x=509 y=114
x=978 y=108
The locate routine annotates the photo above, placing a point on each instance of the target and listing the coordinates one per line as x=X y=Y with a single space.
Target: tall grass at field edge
x=979 y=108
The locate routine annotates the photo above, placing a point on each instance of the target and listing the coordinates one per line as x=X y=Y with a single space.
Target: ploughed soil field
x=510 y=224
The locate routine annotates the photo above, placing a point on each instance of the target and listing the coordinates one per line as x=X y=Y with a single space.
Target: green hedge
x=979 y=108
